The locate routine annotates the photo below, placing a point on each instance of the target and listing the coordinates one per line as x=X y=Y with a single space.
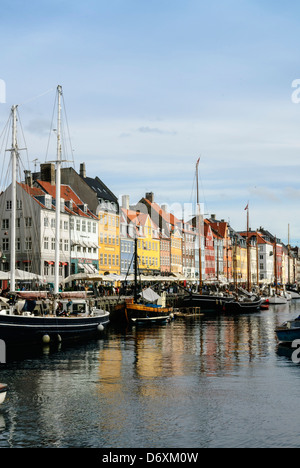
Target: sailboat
x=207 y=302
x=82 y=319
x=141 y=313
x=247 y=303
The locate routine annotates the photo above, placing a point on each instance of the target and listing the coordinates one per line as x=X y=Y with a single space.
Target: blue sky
x=151 y=86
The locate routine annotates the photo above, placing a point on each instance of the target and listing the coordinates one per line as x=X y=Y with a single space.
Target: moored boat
x=151 y=320
x=243 y=306
x=3 y=392
x=289 y=331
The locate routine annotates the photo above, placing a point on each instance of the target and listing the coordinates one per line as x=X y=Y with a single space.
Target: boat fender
x=46 y=339
x=100 y=327
x=59 y=338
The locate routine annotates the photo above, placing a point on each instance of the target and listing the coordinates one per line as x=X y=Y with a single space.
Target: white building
x=35 y=232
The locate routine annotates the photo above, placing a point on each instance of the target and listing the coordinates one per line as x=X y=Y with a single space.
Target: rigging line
x=23 y=136
x=51 y=127
x=36 y=97
x=4 y=137
x=68 y=129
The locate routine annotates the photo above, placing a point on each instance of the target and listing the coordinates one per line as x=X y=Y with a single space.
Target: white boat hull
x=277 y=300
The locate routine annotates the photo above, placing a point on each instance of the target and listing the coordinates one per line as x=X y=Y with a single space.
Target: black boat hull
x=243 y=307
x=206 y=303
x=15 y=329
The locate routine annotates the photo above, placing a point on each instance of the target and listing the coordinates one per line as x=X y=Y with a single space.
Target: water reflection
x=139 y=387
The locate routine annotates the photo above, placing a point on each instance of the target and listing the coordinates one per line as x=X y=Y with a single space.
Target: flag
x=247 y=207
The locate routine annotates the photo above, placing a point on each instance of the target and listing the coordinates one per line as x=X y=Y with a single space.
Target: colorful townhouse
x=148 y=245
x=170 y=230
x=210 y=265
x=221 y=227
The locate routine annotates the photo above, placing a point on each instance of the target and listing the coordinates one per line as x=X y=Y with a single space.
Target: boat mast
x=58 y=184
x=289 y=250
x=14 y=155
x=199 y=226
x=275 y=265
x=135 y=270
x=248 y=253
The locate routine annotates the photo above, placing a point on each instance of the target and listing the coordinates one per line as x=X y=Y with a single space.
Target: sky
x=150 y=86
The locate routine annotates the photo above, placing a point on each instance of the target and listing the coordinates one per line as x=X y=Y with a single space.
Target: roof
x=139 y=219
x=102 y=191
x=67 y=194
x=167 y=217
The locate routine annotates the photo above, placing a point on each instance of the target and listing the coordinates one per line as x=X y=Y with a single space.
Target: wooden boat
x=150 y=320
x=245 y=306
x=289 y=331
x=207 y=303
x=73 y=322
x=131 y=311
x=3 y=391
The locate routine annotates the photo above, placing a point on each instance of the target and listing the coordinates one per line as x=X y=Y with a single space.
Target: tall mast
x=58 y=184
x=199 y=225
x=135 y=270
x=248 y=253
x=257 y=262
x=14 y=155
x=289 y=250
x=275 y=264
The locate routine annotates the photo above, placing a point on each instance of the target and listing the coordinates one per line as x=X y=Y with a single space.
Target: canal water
x=197 y=383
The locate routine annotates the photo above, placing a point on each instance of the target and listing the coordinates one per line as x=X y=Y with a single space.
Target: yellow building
x=176 y=251
x=109 y=242
x=148 y=242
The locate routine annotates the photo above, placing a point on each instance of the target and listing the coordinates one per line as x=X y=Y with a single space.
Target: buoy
x=100 y=327
x=59 y=338
x=46 y=339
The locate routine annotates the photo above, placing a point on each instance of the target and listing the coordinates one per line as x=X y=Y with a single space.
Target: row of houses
x=98 y=233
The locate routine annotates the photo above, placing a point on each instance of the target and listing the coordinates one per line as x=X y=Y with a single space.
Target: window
x=19 y=204
x=18 y=244
x=8 y=205
x=5 y=223
x=46 y=222
x=5 y=245
x=28 y=243
x=77 y=224
x=52 y=243
x=28 y=222
x=66 y=245
x=53 y=222
x=66 y=225
x=46 y=243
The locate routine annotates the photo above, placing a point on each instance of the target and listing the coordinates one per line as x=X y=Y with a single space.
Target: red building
x=210 y=264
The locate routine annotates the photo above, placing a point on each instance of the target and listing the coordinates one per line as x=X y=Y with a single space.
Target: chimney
x=213 y=216
x=164 y=208
x=82 y=171
x=150 y=197
x=48 y=173
x=28 y=178
x=125 y=202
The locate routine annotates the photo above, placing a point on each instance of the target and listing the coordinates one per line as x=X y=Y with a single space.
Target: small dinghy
x=3 y=391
